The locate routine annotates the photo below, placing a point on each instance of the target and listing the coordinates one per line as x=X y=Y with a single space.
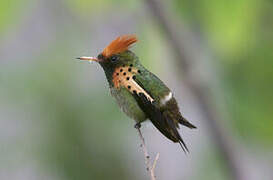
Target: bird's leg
x=138 y=125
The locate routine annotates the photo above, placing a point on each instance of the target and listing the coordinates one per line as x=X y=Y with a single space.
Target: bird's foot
x=138 y=125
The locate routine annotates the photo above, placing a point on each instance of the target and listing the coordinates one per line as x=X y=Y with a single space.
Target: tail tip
x=183 y=146
x=189 y=125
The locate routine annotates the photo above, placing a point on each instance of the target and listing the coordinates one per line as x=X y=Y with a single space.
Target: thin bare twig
x=150 y=168
x=187 y=54
x=155 y=161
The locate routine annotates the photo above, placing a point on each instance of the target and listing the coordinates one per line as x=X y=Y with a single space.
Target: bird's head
x=116 y=54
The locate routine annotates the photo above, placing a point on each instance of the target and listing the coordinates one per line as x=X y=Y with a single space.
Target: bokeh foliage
x=240 y=34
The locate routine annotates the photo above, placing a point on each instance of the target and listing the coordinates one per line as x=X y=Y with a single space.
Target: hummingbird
x=139 y=93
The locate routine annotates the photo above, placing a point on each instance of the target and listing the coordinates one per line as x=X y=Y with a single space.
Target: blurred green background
x=58 y=120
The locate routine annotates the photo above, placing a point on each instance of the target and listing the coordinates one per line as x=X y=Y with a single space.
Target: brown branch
x=187 y=54
x=150 y=168
x=154 y=164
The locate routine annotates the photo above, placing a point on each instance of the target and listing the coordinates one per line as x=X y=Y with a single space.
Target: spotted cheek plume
x=125 y=77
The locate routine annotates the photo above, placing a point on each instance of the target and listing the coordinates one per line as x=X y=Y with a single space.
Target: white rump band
x=166 y=98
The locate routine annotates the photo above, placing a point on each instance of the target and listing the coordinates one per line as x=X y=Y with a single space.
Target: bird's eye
x=114 y=58
x=100 y=56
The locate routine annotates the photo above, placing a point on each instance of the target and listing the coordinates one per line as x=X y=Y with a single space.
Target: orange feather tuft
x=122 y=43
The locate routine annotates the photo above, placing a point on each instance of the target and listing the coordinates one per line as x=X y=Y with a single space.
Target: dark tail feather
x=185 y=122
x=176 y=133
x=161 y=120
x=183 y=146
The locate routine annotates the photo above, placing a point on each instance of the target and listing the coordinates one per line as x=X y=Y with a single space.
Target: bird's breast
x=127 y=103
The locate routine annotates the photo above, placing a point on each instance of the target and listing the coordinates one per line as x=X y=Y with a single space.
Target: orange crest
x=122 y=43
